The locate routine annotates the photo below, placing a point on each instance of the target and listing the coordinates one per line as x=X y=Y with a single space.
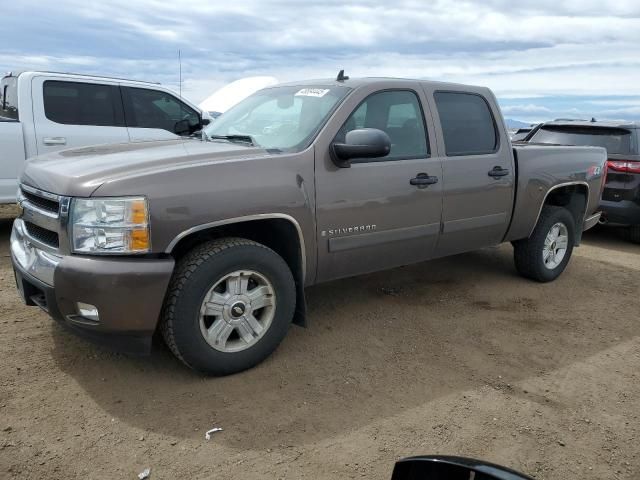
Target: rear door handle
x=498 y=172
x=423 y=179
x=54 y=141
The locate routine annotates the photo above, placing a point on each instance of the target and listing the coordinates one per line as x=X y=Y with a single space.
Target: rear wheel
x=545 y=254
x=229 y=306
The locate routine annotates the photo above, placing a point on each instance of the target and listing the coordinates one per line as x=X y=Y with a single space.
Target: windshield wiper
x=234 y=138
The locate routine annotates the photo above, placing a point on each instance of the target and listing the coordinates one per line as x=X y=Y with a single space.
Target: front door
x=76 y=114
x=370 y=216
x=478 y=172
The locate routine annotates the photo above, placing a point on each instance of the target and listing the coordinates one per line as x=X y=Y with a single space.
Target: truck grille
x=44 y=215
x=40 y=202
x=42 y=235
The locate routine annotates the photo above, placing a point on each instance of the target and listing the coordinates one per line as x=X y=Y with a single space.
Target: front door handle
x=498 y=172
x=54 y=141
x=423 y=179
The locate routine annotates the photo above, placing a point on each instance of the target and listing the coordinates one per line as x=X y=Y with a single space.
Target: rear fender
x=574 y=196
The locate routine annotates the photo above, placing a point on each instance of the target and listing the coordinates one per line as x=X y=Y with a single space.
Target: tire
x=633 y=233
x=227 y=273
x=529 y=254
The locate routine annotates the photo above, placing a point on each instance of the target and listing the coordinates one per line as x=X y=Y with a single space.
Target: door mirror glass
x=452 y=468
x=361 y=143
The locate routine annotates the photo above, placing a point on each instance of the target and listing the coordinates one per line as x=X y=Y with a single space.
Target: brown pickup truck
x=213 y=240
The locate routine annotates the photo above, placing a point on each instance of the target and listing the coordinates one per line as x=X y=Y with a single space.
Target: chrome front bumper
x=38 y=263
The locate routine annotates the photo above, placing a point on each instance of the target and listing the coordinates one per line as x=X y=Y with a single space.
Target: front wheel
x=545 y=254
x=230 y=304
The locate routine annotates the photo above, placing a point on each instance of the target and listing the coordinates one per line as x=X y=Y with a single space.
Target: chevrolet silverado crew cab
x=213 y=241
x=41 y=112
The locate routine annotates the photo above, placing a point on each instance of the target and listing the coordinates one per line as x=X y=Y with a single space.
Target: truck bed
x=541 y=168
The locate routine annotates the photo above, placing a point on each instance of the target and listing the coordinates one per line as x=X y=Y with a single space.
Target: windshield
x=615 y=140
x=282 y=118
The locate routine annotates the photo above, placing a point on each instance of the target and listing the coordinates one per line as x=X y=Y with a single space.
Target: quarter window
x=467 y=124
x=398 y=113
x=9 y=99
x=155 y=109
x=73 y=103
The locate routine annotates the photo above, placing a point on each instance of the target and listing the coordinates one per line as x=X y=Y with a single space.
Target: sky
x=544 y=59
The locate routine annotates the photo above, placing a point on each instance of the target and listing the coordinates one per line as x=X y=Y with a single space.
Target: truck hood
x=80 y=171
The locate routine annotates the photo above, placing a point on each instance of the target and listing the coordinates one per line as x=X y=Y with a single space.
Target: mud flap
x=300 y=315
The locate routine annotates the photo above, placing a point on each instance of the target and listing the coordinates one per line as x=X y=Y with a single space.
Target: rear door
x=369 y=216
x=157 y=115
x=478 y=171
x=75 y=114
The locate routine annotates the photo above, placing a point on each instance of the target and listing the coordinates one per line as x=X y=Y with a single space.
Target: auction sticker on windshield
x=312 y=92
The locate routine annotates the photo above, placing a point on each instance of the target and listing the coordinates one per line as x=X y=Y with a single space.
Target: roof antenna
x=341 y=76
x=180 y=72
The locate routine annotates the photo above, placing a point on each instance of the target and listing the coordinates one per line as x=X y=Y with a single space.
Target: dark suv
x=621 y=195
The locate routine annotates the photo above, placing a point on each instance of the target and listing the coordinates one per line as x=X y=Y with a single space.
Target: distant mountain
x=511 y=123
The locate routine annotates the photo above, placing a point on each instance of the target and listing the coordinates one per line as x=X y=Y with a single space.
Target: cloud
x=526 y=110
x=618 y=113
x=523 y=50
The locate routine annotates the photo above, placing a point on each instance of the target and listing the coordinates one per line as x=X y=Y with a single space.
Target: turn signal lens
x=139 y=212
x=139 y=240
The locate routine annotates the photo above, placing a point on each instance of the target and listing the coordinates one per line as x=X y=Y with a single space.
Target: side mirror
x=361 y=143
x=183 y=127
x=205 y=121
x=451 y=468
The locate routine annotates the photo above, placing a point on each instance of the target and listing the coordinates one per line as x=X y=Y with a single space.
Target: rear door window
x=9 y=98
x=74 y=103
x=145 y=108
x=467 y=124
x=616 y=140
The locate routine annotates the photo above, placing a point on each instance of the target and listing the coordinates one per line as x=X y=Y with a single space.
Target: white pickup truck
x=41 y=112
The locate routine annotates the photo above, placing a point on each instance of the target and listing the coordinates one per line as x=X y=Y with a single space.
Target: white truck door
x=157 y=115
x=12 y=153
x=12 y=158
x=76 y=114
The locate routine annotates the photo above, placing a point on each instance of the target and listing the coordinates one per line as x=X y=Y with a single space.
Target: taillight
x=624 y=166
x=633 y=167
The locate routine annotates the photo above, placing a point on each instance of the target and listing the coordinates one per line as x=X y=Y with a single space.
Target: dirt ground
x=455 y=356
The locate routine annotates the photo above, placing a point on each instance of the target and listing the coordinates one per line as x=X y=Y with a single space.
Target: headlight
x=110 y=225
